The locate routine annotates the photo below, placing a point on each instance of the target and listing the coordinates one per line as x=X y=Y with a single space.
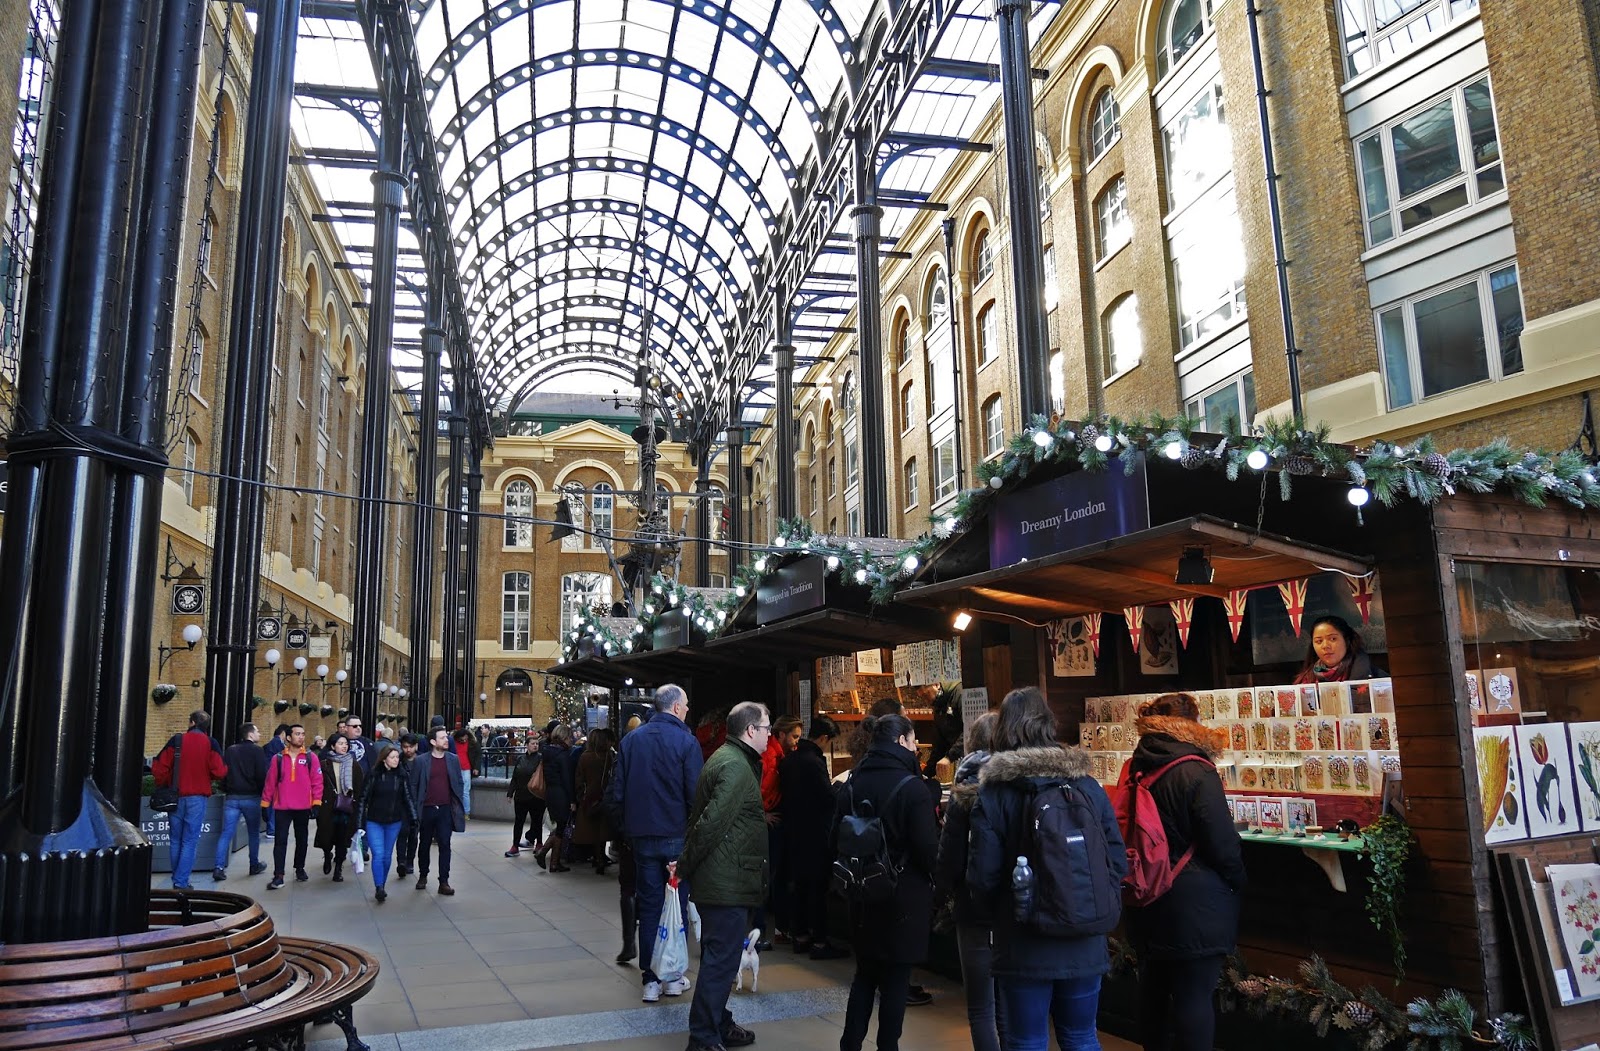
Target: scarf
x=342 y=772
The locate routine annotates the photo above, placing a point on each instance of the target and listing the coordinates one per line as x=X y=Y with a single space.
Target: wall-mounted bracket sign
x=794 y=588
x=268 y=628
x=1084 y=507
x=296 y=639
x=189 y=599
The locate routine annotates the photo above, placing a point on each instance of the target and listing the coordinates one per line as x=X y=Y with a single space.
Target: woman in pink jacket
x=294 y=788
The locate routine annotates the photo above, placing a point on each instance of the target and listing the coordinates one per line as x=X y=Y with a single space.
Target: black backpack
x=864 y=872
x=1075 y=894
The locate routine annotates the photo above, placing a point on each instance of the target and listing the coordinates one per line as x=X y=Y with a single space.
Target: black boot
x=630 y=931
x=338 y=872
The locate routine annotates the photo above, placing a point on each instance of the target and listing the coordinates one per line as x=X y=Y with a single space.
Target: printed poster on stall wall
x=1585 y=739
x=1158 y=645
x=1577 y=896
x=1072 y=656
x=974 y=702
x=1500 y=790
x=1547 y=771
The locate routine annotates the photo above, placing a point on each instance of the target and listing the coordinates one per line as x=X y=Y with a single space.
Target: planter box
x=157 y=828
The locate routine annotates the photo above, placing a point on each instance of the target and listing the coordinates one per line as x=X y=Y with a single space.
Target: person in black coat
x=386 y=807
x=556 y=755
x=892 y=937
x=1183 y=937
x=806 y=805
x=1042 y=978
x=527 y=808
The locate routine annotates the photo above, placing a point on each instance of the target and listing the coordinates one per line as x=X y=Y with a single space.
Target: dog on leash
x=750 y=960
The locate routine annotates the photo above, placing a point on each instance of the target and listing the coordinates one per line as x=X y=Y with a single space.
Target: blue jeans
x=185 y=824
x=233 y=808
x=722 y=929
x=466 y=790
x=1031 y=1005
x=381 y=840
x=651 y=854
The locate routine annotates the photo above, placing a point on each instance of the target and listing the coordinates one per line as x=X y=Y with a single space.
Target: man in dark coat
x=436 y=787
x=807 y=808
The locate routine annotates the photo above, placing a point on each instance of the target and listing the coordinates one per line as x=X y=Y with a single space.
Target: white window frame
x=579 y=504
x=1166 y=61
x=1367 y=46
x=1210 y=139
x=938 y=297
x=208 y=233
x=516 y=611
x=908 y=396
x=602 y=515
x=1243 y=384
x=987 y=331
x=982 y=257
x=1467 y=178
x=994 y=426
x=191 y=457
x=197 y=359
x=944 y=484
x=1492 y=347
x=1052 y=284
x=1105 y=124
x=1113 y=223
x=518 y=504
x=909 y=479
x=582 y=591
x=1194 y=238
x=1122 y=319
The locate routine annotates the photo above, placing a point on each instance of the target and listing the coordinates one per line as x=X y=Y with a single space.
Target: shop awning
x=1134 y=570
x=830 y=632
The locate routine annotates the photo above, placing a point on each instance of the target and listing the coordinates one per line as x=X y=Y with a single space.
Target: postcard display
x=850 y=684
x=1287 y=746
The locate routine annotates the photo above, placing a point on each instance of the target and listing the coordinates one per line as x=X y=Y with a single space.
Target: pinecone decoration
x=1252 y=988
x=1437 y=465
x=1089 y=433
x=1300 y=465
x=1358 y=1012
x=1193 y=457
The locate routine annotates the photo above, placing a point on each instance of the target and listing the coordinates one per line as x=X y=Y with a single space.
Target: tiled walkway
x=521 y=959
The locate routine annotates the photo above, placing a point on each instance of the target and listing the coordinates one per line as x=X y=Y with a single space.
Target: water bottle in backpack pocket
x=1071 y=889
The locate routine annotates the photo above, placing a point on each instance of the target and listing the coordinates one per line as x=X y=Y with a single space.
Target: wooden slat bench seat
x=212 y=972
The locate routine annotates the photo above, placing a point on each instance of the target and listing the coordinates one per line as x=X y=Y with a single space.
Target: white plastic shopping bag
x=694 y=919
x=670 y=960
x=356 y=861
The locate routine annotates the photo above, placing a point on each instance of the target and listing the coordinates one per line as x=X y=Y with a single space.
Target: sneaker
x=652 y=992
x=676 y=987
x=737 y=1035
x=258 y=868
x=219 y=874
x=300 y=875
x=918 y=997
x=828 y=952
x=514 y=852
x=276 y=884
x=269 y=835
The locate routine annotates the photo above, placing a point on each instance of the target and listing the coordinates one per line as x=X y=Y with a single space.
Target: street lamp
x=191 y=635
x=299 y=666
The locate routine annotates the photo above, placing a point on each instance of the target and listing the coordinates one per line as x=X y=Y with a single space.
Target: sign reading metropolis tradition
x=795 y=588
x=189 y=599
x=1084 y=507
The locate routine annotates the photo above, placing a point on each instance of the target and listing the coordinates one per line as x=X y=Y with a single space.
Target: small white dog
x=750 y=960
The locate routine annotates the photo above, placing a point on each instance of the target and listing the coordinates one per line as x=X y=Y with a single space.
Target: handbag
x=164 y=799
x=536 y=782
x=344 y=803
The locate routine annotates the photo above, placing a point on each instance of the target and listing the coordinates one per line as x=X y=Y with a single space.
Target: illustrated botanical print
x=1547 y=782
x=1577 y=896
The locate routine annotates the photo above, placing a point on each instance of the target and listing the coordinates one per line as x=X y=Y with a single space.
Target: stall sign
x=672 y=631
x=1084 y=507
x=795 y=588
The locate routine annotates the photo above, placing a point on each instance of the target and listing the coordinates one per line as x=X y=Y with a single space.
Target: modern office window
x=1123 y=341
x=994 y=426
x=982 y=257
x=602 y=515
x=580 y=591
x=1447 y=338
x=1435 y=160
x=1230 y=408
x=516 y=611
x=1113 y=225
x=988 y=339
x=1379 y=31
x=911 y=483
x=1207 y=247
x=944 y=470
x=1104 y=126
x=1183 y=24
x=1199 y=148
x=519 y=515
x=907 y=404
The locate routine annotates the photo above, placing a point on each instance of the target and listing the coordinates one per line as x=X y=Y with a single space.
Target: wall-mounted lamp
x=1194 y=567
x=192 y=634
x=338 y=679
x=961 y=621
x=299 y=666
x=272 y=657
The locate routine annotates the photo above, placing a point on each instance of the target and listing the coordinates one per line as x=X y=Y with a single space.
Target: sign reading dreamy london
x=793 y=589
x=1084 y=507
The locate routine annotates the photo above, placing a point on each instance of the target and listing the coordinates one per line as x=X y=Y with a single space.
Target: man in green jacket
x=725 y=859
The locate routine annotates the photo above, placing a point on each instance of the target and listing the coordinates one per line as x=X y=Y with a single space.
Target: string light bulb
x=1103 y=443
x=911 y=563
x=1358 y=496
x=861 y=576
x=1257 y=460
x=1173 y=450
x=1043 y=439
x=833 y=562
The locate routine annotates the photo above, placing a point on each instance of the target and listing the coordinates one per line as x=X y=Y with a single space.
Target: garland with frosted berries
x=1386 y=471
x=1373 y=1022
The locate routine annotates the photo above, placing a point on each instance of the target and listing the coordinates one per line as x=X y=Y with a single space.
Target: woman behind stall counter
x=1336 y=654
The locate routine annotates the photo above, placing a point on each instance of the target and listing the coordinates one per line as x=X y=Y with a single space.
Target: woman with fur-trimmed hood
x=1183 y=937
x=1043 y=979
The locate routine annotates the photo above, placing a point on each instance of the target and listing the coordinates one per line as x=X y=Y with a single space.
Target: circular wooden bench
x=212 y=972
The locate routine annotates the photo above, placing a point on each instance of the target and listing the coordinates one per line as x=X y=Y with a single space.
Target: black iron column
x=735 y=531
x=252 y=323
x=1022 y=185
x=450 y=626
x=152 y=268
x=388 y=183
x=71 y=867
x=425 y=533
x=869 y=343
x=702 y=520
x=783 y=421
x=469 y=571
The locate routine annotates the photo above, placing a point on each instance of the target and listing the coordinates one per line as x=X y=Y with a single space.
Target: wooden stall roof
x=1134 y=570
x=597 y=671
x=829 y=632
x=654 y=667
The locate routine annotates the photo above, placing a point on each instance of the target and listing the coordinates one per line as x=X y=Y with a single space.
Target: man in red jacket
x=198 y=760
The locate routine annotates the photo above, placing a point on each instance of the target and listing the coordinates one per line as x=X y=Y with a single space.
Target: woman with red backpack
x=1182 y=937
x=1046 y=858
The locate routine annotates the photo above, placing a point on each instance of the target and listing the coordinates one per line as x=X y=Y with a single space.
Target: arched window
x=827 y=425
x=191 y=455
x=902 y=338
x=1113 y=226
x=938 y=303
x=1103 y=124
x=663 y=498
x=516 y=610
x=573 y=494
x=519 y=515
x=994 y=426
x=208 y=234
x=982 y=257
x=811 y=440
x=847 y=397
x=580 y=591
x=988 y=338
x=1123 y=342
x=602 y=515
x=1183 y=23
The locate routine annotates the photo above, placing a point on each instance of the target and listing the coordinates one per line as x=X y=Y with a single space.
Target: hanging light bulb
x=952 y=523
x=833 y=562
x=1043 y=439
x=1257 y=460
x=761 y=564
x=1358 y=495
x=861 y=576
x=779 y=541
x=911 y=563
x=738 y=591
x=996 y=482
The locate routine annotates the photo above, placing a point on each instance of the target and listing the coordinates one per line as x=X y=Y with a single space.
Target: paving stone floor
x=521 y=959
